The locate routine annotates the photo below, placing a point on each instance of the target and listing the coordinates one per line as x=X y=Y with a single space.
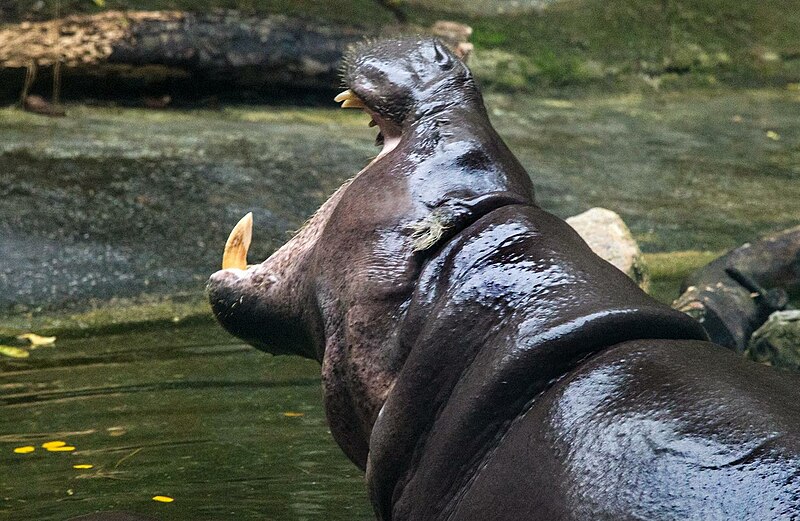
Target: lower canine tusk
x=235 y=255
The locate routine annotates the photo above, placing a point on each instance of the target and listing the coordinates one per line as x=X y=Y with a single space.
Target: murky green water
x=119 y=202
x=187 y=413
x=686 y=171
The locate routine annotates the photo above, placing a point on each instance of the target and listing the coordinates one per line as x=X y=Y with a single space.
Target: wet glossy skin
x=339 y=288
x=500 y=357
x=650 y=430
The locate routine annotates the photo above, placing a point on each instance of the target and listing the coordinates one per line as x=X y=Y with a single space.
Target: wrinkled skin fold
x=478 y=360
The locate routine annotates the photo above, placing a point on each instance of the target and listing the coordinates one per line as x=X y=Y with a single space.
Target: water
x=119 y=202
x=189 y=413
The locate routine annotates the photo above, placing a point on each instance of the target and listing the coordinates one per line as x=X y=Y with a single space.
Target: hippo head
x=339 y=290
x=393 y=90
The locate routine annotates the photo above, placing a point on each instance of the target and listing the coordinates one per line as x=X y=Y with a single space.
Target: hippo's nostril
x=226 y=277
x=263 y=279
x=224 y=295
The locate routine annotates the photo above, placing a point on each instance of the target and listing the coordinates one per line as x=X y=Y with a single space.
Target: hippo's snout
x=232 y=302
x=225 y=293
x=247 y=305
x=252 y=302
x=227 y=287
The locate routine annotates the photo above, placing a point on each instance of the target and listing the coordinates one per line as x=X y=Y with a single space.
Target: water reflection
x=186 y=413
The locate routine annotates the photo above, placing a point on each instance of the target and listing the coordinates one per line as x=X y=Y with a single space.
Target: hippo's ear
x=442 y=55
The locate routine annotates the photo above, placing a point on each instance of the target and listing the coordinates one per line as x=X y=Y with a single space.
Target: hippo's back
x=649 y=429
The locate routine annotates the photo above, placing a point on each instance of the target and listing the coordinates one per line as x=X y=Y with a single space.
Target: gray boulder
x=608 y=236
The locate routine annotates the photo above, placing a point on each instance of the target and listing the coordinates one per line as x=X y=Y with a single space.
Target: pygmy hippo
x=478 y=360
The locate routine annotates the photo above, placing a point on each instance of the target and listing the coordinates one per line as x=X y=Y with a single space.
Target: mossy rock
x=504 y=70
x=777 y=342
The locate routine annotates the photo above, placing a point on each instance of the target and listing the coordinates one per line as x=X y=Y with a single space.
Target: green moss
x=668 y=270
x=118 y=315
x=561 y=68
x=715 y=41
x=489 y=38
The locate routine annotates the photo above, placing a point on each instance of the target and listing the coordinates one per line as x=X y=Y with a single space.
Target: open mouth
x=388 y=133
x=238 y=243
x=445 y=221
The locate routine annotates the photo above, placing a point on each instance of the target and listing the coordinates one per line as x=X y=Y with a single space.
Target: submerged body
x=479 y=361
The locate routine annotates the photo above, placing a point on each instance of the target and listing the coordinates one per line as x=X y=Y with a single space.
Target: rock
x=733 y=295
x=777 y=342
x=725 y=308
x=609 y=237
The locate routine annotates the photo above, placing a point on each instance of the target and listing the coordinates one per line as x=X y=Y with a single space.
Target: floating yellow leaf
x=290 y=414
x=100 y=3
x=24 y=450
x=57 y=446
x=37 y=340
x=82 y=466
x=773 y=135
x=66 y=448
x=163 y=499
x=14 y=352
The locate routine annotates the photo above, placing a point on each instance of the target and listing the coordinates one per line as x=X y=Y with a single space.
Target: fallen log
x=222 y=48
